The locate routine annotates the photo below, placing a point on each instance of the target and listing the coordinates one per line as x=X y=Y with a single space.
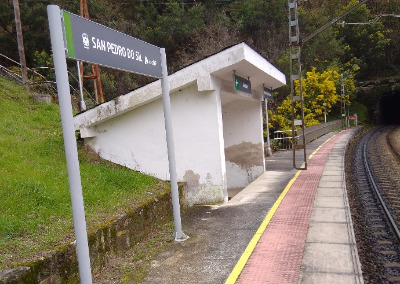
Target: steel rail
x=375 y=188
x=391 y=146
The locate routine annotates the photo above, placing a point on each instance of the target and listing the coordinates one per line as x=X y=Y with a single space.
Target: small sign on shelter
x=268 y=94
x=242 y=84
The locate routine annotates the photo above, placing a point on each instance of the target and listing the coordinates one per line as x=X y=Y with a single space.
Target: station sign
x=242 y=84
x=298 y=122
x=92 y=42
x=268 y=94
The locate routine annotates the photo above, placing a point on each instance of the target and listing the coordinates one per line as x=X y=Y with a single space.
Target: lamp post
x=324 y=104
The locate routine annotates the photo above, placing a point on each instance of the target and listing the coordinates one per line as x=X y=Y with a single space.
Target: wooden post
x=21 y=50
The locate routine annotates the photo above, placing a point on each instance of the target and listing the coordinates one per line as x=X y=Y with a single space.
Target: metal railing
x=315 y=131
x=37 y=81
x=283 y=138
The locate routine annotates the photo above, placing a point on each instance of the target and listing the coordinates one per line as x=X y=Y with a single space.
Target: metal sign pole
x=269 y=152
x=71 y=153
x=266 y=96
x=179 y=235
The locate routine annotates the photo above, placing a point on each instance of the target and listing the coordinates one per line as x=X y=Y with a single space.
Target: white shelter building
x=218 y=131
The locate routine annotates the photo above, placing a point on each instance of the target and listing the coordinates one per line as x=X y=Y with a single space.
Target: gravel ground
x=371 y=257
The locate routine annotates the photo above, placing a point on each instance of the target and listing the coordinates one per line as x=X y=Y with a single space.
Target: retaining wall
x=315 y=131
x=113 y=237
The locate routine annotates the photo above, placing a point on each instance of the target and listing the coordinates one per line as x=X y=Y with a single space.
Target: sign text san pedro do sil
x=91 y=42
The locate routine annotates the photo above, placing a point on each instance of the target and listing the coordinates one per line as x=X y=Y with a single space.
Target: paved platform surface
x=288 y=226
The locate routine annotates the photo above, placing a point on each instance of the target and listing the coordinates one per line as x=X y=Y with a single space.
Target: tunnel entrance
x=389 y=108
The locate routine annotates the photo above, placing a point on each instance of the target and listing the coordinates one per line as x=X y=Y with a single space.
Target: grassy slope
x=35 y=208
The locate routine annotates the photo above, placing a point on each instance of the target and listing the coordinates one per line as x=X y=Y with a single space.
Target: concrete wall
x=198 y=136
x=137 y=140
x=244 y=143
x=217 y=135
x=217 y=130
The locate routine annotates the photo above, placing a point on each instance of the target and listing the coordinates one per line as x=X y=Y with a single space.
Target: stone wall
x=113 y=237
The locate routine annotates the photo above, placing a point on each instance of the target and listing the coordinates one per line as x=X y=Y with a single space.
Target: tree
x=192 y=30
x=262 y=24
x=174 y=28
x=34 y=28
x=318 y=88
x=367 y=43
x=324 y=48
x=8 y=39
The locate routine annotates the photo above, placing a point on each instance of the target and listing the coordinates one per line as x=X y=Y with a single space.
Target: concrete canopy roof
x=239 y=58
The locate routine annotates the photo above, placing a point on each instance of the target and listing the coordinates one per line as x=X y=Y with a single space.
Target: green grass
x=35 y=205
x=361 y=110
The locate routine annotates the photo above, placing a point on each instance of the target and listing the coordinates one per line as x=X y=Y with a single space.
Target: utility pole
x=20 y=41
x=295 y=43
x=84 y=13
x=295 y=75
x=343 y=103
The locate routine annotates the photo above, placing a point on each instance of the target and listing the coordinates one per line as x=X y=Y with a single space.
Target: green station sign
x=91 y=42
x=242 y=84
x=267 y=93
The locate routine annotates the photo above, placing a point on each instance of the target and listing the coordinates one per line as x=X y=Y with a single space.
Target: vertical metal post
x=302 y=117
x=269 y=152
x=179 y=235
x=343 y=103
x=347 y=116
x=82 y=105
x=295 y=74
x=293 y=41
x=71 y=153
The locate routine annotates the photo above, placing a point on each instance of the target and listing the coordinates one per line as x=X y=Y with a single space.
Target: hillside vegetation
x=192 y=30
x=35 y=211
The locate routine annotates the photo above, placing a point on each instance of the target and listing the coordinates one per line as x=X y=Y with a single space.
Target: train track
x=376 y=174
x=375 y=180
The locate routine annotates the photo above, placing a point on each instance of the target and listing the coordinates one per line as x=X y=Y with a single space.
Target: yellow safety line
x=253 y=242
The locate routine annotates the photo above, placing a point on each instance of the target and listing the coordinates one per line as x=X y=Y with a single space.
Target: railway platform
x=288 y=226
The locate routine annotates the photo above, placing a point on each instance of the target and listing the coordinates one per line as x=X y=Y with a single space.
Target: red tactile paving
x=277 y=256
